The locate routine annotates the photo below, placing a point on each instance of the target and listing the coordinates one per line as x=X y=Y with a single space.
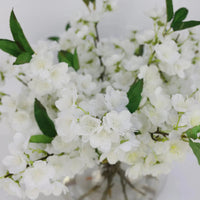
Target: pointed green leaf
x=170 y=11
x=139 y=51
x=192 y=132
x=40 y=139
x=185 y=25
x=196 y=149
x=18 y=34
x=23 y=58
x=179 y=16
x=68 y=26
x=76 y=65
x=45 y=124
x=86 y=2
x=10 y=47
x=65 y=56
x=54 y=38
x=134 y=95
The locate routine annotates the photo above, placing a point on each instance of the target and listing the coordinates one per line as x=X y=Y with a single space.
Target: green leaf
x=196 y=149
x=134 y=95
x=68 y=26
x=45 y=124
x=69 y=58
x=18 y=34
x=54 y=38
x=185 y=25
x=139 y=51
x=179 y=16
x=65 y=56
x=76 y=65
x=10 y=47
x=86 y=2
x=170 y=11
x=40 y=139
x=23 y=58
x=192 y=132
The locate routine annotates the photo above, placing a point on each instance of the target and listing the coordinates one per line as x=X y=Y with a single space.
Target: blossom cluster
x=89 y=108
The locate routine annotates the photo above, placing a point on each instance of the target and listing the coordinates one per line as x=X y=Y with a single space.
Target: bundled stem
x=109 y=172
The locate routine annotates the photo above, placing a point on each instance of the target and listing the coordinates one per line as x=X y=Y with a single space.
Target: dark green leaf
x=137 y=133
x=76 y=65
x=196 y=149
x=23 y=58
x=139 y=51
x=170 y=11
x=134 y=95
x=40 y=139
x=185 y=25
x=54 y=38
x=179 y=16
x=18 y=34
x=192 y=132
x=65 y=56
x=45 y=124
x=10 y=47
x=68 y=26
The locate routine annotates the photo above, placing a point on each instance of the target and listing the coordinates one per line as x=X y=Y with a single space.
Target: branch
x=93 y=189
x=96 y=40
x=122 y=173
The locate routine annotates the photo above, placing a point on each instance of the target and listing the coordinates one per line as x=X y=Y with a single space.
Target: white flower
x=145 y=36
x=40 y=86
x=118 y=122
x=15 y=163
x=19 y=143
x=193 y=115
x=58 y=75
x=38 y=176
x=115 y=100
x=11 y=187
x=66 y=126
x=21 y=120
x=134 y=63
x=179 y=103
x=89 y=125
x=103 y=140
x=40 y=64
x=59 y=163
x=167 y=52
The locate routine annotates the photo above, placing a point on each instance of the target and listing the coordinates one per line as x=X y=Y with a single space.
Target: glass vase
x=110 y=183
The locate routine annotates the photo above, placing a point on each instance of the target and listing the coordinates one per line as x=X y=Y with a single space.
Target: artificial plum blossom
x=89 y=107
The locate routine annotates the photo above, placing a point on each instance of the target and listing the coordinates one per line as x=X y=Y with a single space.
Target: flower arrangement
x=128 y=107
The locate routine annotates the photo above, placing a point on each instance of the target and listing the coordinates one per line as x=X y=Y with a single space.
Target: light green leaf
x=54 y=38
x=170 y=11
x=23 y=58
x=41 y=139
x=65 y=56
x=196 y=149
x=76 y=65
x=192 y=132
x=45 y=124
x=18 y=34
x=134 y=95
x=10 y=47
x=179 y=16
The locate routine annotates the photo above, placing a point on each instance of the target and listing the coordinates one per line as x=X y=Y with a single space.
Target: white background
x=43 y=18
